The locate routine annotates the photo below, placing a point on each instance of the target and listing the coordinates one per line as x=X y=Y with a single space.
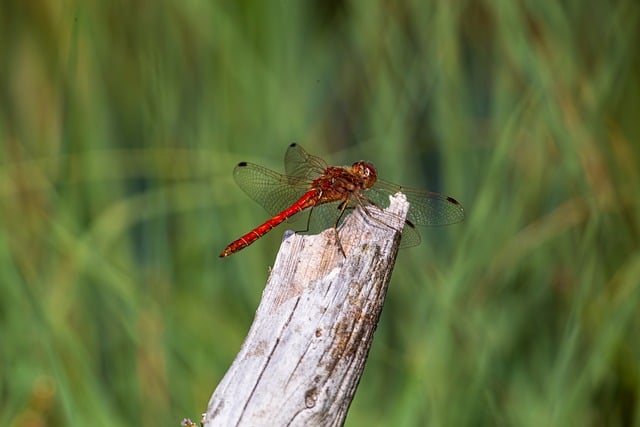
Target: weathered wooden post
x=302 y=360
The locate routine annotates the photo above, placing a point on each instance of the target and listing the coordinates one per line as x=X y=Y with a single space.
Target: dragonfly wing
x=299 y=164
x=271 y=190
x=325 y=216
x=426 y=208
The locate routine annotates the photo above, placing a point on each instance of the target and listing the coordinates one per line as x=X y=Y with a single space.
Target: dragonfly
x=309 y=183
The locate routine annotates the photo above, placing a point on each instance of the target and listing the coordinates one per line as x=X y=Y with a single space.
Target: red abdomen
x=310 y=198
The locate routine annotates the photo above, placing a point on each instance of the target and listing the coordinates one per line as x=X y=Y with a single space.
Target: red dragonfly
x=328 y=190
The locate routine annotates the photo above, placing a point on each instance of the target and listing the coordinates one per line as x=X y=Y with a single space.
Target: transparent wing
x=272 y=190
x=426 y=207
x=325 y=216
x=302 y=165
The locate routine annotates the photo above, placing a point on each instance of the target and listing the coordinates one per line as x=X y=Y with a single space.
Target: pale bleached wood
x=302 y=360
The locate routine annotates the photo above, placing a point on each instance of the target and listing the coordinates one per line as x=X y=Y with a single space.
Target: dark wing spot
x=452 y=200
x=242 y=164
x=293 y=144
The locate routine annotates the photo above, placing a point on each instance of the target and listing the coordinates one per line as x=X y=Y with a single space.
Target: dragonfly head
x=367 y=172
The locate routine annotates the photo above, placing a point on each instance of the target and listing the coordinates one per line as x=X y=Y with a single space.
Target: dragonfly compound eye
x=367 y=173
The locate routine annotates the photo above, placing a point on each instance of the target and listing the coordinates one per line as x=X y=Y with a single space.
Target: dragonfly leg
x=308 y=221
x=343 y=207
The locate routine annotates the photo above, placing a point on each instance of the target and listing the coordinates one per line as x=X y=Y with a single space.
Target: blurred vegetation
x=120 y=124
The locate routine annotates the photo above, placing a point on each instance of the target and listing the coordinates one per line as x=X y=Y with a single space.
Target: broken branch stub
x=302 y=360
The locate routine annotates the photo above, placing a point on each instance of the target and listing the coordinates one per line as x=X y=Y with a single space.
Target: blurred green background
x=120 y=124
